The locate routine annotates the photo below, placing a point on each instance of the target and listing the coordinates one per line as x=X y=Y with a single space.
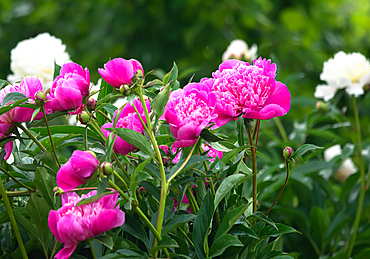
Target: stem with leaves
x=92 y=249
x=29 y=134
x=362 y=178
x=254 y=169
x=51 y=139
x=12 y=220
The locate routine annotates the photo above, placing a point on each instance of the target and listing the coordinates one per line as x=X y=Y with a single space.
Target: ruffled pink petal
x=66 y=251
x=106 y=220
x=184 y=143
x=186 y=132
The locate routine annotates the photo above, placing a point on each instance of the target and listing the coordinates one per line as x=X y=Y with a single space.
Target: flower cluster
x=237 y=88
x=71 y=225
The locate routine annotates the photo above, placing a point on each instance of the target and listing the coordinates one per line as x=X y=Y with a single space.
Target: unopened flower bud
x=143 y=191
x=165 y=160
x=106 y=168
x=321 y=106
x=91 y=104
x=125 y=90
x=91 y=153
x=40 y=98
x=287 y=153
x=84 y=117
x=57 y=191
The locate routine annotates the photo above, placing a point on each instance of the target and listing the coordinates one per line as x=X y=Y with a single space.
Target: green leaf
x=39 y=210
x=12 y=97
x=57 y=69
x=262 y=217
x=35 y=112
x=48 y=159
x=134 y=138
x=3 y=83
x=201 y=225
x=45 y=184
x=269 y=230
x=319 y=222
x=105 y=240
x=209 y=136
x=221 y=243
x=50 y=117
x=177 y=221
x=304 y=148
x=166 y=242
x=229 y=220
x=160 y=101
x=64 y=129
x=219 y=147
x=226 y=186
x=92 y=199
x=135 y=228
x=102 y=186
x=171 y=76
x=8 y=107
x=227 y=157
x=139 y=176
x=242 y=230
x=194 y=161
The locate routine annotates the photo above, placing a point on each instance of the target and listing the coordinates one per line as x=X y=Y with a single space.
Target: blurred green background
x=298 y=35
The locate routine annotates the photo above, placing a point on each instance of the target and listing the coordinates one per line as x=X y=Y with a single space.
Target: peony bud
x=321 y=106
x=106 y=168
x=84 y=117
x=125 y=90
x=57 y=191
x=91 y=104
x=287 y=153
x=40 y=98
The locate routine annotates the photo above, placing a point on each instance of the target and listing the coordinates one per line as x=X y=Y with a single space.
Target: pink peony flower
x=69 y=88
x=78 y=170
x=184 y=200
x=249 y=90
x=8 y=148
x=120 y=71
x=189 y=111
x=130 y=120
x=71 y=225
x=213 y=153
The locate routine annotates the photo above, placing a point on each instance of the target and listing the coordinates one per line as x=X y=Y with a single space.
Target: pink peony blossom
x=71 y=225
x=120 y=71
x=8 y=148
x=130 y=120
x=78 y=170
x=212 y=153
x=249 y=90
x=69 y=88
x=188 y=112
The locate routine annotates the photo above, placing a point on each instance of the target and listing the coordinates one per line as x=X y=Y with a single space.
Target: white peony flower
x=346 y=169
x=239 y=49
x=348 y=71
x=36 y=56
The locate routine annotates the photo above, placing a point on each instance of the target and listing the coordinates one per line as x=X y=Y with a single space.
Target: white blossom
x=239 y=49
x=349 y=71
x=36 y=56
x=347 y=167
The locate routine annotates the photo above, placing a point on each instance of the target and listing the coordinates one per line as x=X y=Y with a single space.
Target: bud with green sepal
x=106 y=168
x=91 y=104
x=288 y=153
x=84 y=117
x=40 y=98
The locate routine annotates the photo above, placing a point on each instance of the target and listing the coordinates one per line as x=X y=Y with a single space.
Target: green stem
x=15 y=179
x=53 y=251
x=115 y=157
x=186 y=236
x=51 y=139
x=282 y=188
x=281 y=129
x=12 y=220
x=362 y=177
x=29 y=134
x=254 y=171
x=19 y=193
x=105 y=116
x=122 y=181
x=218 y=220
x=92 y=249
x=97 y=129
x=192 y=201
x=124 y=196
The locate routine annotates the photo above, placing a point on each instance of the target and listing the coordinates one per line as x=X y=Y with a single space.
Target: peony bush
x=178 y=171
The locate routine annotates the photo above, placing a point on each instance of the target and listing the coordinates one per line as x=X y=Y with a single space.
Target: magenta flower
x=120 y=71
x=213 y=153
x=184 y=200
x=249 y=90
x=79 y=169
x=71 y=225
x=8 y=148
x=130 y=120
x=70 y=87
x=188 y=112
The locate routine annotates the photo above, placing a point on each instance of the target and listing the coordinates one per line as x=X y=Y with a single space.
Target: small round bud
x=106 y=168
x=165 y=160
x=91 y=153
x=40 y=98
x=125 y=90
x=57 y=191
x=84 y=117
x=321 y=106
x=287 y=153
x=91 y=104
x=143 y=191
